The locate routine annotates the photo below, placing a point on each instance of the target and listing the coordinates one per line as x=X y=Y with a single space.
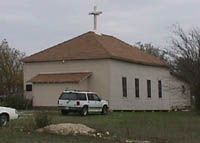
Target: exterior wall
x=119 y=69
x=179 y=96
x=107 y=81
x=48 y=94
x=97 y=82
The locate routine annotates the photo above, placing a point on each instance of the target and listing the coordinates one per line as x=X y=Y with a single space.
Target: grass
x=158 y=127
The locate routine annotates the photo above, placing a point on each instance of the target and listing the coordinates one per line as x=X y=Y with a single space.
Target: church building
x=128 y=78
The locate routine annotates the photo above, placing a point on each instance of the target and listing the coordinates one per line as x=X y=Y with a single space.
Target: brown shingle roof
x=95 y=46
x=60 y=77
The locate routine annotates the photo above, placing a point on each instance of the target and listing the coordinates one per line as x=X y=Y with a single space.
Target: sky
x=33 y=25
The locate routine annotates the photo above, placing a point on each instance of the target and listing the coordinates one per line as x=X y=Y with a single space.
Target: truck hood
x=104 y=101
x=6 y=108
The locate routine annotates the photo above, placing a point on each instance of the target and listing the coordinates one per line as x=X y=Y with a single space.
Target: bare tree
x=185 y=57
x=11 y=73
x=151 y=49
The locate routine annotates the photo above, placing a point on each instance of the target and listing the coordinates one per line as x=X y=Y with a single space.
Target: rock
x=107 y=133
x=98 y=134
x=68 y=129
x=129 y=141
x=142 y=142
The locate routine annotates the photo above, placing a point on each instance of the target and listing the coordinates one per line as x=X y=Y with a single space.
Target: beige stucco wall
x=119 y=69
x=98 y=82
x=48 y=94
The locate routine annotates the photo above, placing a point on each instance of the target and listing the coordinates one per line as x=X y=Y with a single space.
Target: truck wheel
x=64 y=112
x=84 y=111
x=3 y=119
x=104 y=110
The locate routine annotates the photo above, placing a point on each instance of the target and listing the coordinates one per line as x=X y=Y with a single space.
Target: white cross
x=95 y=13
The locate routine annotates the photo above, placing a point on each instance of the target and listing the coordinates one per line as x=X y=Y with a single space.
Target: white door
x=94 y=103
x=98 y=102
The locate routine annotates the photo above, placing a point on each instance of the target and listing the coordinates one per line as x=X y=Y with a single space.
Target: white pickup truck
x=7 y=114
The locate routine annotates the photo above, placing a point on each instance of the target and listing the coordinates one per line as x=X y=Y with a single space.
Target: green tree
x=11 y=72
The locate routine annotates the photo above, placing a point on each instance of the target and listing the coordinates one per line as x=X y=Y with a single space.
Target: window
x=90 y=96
x=124 y=86
x=137 y=88
x=183 y=89
x=160 y=89
x=68 y=96
x=29 y=87
x=96 y=98
x=93 y=97
x=81 y=96
x=149 y=88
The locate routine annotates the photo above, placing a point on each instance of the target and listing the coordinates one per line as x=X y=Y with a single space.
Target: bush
x=197 y=102
x=18 y=102
x=42 y=119
x=1 y=103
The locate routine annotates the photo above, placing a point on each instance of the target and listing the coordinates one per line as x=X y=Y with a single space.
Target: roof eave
x=140 y=62
x=113 y=57
x=72 y=82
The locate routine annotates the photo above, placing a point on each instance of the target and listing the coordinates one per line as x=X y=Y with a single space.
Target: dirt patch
x=68 y=129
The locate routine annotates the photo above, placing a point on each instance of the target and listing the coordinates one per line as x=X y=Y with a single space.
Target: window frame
x=160 y=89
x=29 y=87
x=137 y=88
x=124 y=87
x=149 y=88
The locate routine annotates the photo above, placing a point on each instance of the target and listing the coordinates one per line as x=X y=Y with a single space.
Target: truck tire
x=3 y=119
x=104 y=110
x=84 y=111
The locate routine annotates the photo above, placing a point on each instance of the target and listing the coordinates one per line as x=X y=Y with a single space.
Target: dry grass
x=158 y=127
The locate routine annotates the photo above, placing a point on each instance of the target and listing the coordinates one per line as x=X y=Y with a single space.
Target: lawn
x=158 y=127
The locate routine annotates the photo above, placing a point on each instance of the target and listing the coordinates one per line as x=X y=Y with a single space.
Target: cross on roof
x=95 y=13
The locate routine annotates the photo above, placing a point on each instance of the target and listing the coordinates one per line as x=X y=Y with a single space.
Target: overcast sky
x=34 y=25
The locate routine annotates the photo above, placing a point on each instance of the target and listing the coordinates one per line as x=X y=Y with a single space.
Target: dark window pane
x=90 y=96
x=68 y=96
x=29 y=87
x=149 y=88
x=124 y=86
x=96 y=98
x=160 y=88
x=81 y=96
x=137 y=87
x=183 y=89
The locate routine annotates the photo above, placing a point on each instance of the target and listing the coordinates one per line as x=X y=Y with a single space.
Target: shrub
x=18 y=102
x=1 y=103
x=197 y=103
x=42 y=119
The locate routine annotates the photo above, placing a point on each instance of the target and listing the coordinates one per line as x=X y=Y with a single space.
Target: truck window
x=81 y=96
x=90 y=96
x=96 y=98
x=93 y=97
x=68 y=96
